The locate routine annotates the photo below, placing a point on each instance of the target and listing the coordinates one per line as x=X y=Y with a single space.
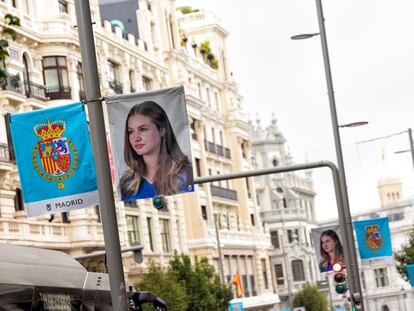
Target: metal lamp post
x=350 y=256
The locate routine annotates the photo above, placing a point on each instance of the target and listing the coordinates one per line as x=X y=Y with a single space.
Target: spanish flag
x=238 y=284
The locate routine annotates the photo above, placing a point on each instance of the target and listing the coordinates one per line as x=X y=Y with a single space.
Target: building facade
x=287 y=208
x=169 y=48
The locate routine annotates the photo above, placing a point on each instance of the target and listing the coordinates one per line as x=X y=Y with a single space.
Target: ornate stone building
x=166 y=48
x=287 y=208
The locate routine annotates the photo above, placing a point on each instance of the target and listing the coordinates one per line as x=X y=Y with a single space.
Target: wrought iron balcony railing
x=223 y=192
x=35 y=90
x=13 y=83
x=58 y=92
x=217 y=149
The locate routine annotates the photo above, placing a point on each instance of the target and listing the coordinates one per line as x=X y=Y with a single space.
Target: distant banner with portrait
x=374 y=239
x=150 y=141
x=327 y=242
x=54 y=159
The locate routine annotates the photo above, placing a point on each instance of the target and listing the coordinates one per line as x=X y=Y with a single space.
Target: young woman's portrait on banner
x=153 y=161
x=328 y=247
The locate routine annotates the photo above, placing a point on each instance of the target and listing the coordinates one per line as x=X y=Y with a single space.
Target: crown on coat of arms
x=372 y=228
x=50 y=130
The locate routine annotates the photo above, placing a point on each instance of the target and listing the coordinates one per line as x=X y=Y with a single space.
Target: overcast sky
x=371 y=49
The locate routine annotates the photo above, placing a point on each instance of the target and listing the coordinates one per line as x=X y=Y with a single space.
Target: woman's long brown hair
x=173 y=163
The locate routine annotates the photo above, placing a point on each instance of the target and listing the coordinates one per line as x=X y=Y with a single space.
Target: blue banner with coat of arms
x=374 y=238
x=54 y=159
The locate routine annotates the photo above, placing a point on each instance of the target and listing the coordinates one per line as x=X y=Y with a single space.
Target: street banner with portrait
x=374 y=239
x=150 y=141
x=54 y=159
x=327 y=242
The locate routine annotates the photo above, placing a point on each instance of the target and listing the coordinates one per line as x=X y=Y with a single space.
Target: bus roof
x=39 y=267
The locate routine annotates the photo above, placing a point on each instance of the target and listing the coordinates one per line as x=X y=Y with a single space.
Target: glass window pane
x=51 y=77
x=64 y=77
x=49 y=61
x=62 y=61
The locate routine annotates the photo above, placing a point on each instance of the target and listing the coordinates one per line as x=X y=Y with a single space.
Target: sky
x=371 y=50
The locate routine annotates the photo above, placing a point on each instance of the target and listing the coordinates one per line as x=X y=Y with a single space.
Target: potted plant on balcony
x=7 y=31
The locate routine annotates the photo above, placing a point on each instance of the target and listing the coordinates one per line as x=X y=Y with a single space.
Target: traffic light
x=159 y=203
x=339 y=277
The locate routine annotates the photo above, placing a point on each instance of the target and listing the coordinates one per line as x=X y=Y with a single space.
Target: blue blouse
x=147 y=190
x=328 y=267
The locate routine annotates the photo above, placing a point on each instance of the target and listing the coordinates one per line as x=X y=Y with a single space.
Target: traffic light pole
x=343 y=213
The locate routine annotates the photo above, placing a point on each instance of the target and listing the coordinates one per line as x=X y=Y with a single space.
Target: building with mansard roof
x=154 y=48
x=287 y=208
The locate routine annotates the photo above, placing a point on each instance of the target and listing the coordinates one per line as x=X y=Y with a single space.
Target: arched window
x=275 y=162
x=26 y=76
x=385 y=308
x=297 y=269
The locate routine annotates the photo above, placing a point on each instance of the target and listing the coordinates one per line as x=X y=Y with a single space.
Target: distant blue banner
x=236 y=306
x=374 y=238
x=54 y=159
x=410 y=274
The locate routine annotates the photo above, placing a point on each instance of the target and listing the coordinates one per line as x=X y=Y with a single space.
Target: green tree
x=203 y=287
x=405 y=256
x=7 y=31
x=165 y=285
x=310 y=298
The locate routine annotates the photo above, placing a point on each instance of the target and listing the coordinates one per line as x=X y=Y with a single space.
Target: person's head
x=148 y=132
x=330 y=244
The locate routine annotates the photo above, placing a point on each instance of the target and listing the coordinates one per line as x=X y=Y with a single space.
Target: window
x=217 y=220
x=274 y=238
x=149 y=225
x=146 y=83
x=18 y=200
x=364 y=285
x=280 y=279
x=245 y=286
x=204 y=212
x=252 y=220
x=131 y=203
x=98 y=213
x=290 y=235
x=165 y=235
x=198 y=167
x=297 y=269
x=63 y=6
x=114 y=77
x=81 y=81
x=381 y=277
x=14 y=4
x=65 y=218
x=9 y=146
x=132 y=229
x=200 y=94
x=55 y=73
x=264 y=271
x=216 y=101
x=131 y=82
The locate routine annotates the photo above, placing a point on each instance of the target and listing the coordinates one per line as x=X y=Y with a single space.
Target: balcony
x=58 y=92
x=34 y=90
x=13 y=84
x=223 y=193
x=284 y=214
x=217 y=149
x=115 y=86
x=4 y=152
